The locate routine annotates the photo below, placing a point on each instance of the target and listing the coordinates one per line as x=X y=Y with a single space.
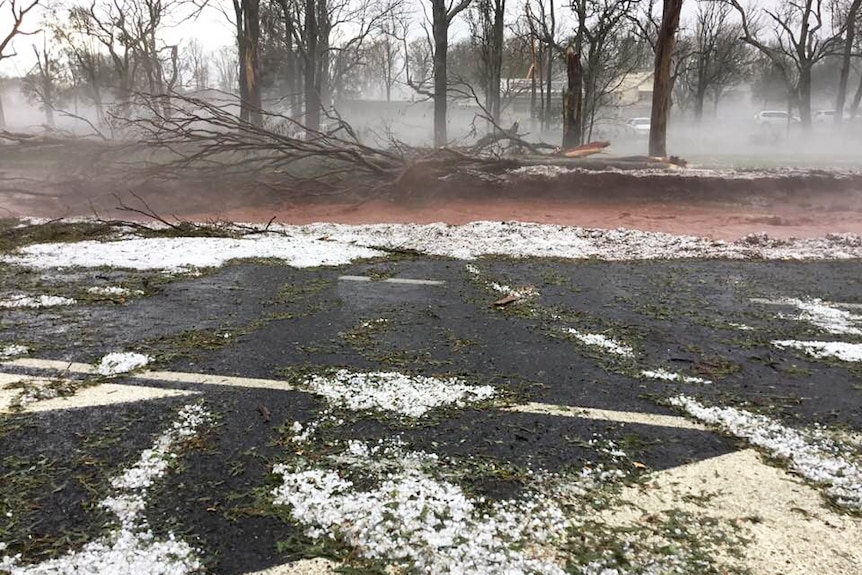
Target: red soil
x=802 y=206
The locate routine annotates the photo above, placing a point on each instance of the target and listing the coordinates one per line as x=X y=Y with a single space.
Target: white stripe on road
x=608 y=415
x=58 y=365
x=405 y=281
x=106 y=394
x=93 y=396
x=204 y=379
x=163 y=376
x=255 y=383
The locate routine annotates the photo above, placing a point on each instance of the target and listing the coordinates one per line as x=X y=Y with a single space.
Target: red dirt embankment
x=717 y=204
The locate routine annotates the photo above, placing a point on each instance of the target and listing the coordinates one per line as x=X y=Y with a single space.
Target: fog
x=730 y=137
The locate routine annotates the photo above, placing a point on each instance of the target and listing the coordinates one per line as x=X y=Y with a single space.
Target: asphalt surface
x=262 y=320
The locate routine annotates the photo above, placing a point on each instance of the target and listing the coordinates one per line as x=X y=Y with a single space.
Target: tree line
x=569 y=60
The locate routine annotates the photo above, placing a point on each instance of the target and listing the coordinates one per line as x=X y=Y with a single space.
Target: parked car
x=824 y=117
x=638 y=127
x=774 y=119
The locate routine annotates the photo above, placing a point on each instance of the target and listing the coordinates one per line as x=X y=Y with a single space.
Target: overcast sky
x=213 y=30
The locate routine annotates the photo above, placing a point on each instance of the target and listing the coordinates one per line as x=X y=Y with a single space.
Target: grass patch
x=14 y=234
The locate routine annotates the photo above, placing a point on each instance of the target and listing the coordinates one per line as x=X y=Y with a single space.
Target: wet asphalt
x=265 y=320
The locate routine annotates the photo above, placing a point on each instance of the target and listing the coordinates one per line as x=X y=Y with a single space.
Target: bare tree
x=662 y=86
x=609 y=49
x=802 y=38
x=195 y=64
x=387 y=54
x=247 y=24
x=442 y=14
x=226 y=68
x=486 y=19
x=717 y=59
x=43 y=82
x=18 y=12
x=419 y=64
x=851 y=20
x=542 y=22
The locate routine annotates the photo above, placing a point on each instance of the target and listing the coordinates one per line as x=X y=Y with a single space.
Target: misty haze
x=431 y=287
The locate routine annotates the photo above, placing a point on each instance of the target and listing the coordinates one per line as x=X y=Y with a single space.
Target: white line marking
x=7 y=378
x=58 y=365
x=247 y=382
x=405 y=281
x=164 y=376
x=106 y=394
x=608 y=415
x=204 y=379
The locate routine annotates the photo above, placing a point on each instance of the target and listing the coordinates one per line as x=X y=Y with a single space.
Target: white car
x=824 y=116
x=638 y=126
x=774 y=119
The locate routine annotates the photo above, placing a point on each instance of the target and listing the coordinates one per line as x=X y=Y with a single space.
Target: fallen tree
x=186 y=139
x=185 y=136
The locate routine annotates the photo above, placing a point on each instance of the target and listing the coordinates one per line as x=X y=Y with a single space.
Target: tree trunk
x=244 y=113
x=251 y=62
x=857 y=99
x=572 y=99
x=312 y=96
x=550 y=90
x=534 y=70
x=846 y=60
x=496 y=61
x=440 y=30
x=662 y=85
x=699 y=102
x=804 y=95
x=2 y=113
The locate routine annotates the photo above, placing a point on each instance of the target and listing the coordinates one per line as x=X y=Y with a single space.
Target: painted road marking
x=608 y=415
x=106 y=394
x=161 y=376
x=93 y=396
x=205 y=379
x=405 y=281
x=255 y=383
x=55 y=364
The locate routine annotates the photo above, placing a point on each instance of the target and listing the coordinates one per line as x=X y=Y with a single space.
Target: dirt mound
x=719 y=204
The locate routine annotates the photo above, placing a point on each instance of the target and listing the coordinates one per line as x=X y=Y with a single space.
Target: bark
x=550 y=89
x=846 y=59
x=251 y=62
x=699 y=99
x=440 y=29
x=804 y=96
x=324 y=32
x=248 y=46
x=534 y=71
x=662 y=85
x=572 y=120
x=857 y=99
x=242 y=80
x=495 y=64
x=312 y=95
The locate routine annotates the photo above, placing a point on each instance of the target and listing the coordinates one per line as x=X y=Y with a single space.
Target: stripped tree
x=803 y=36
x=851 y=20
x=662 y=85
x=18 y=12
x=442 y=14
